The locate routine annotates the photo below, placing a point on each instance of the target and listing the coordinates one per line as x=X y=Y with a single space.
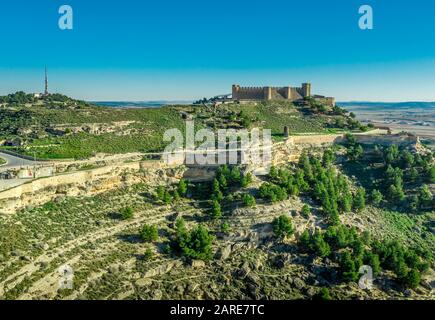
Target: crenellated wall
x=271 y=93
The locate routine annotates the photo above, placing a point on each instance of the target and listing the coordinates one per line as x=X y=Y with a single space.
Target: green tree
x=376 y=197
x=196 y=244
x=160 y=192
x=319 y=245
x=372 y=259
x=249 y=200
x=414 y=203
x=431 y=174
x=359 y=201
x=167 y=198
x=412 y=279
x=305 y=240
x=408 y=159
x=413 y=174
x=282 y=227
x=346 y=202
x=149 y=233
x=306 y=211
x=216 y=210
x=425 y=195
x=246 y=180
x=396 y=193
x=182 y=187
x=348 y=268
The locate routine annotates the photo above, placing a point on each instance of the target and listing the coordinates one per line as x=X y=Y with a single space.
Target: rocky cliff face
x=124 y=170
x=87 y=182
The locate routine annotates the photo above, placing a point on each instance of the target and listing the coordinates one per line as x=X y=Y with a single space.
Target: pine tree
x=359 y=201
x=182 y=187
x=282 y=227
x=216 y=210
x=306 y=211
x=376 y=197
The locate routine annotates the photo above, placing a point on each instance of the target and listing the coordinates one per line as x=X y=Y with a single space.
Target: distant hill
x=138 y=104
x=389 y=105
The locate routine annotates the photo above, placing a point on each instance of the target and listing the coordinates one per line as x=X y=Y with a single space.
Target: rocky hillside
x=58 y=127
x=285 y=236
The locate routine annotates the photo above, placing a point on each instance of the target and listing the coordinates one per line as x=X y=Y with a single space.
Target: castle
x=278 y=93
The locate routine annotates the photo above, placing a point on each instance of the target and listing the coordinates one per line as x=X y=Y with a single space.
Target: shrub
x=412 y=279
x=306 y=211
x=376 y=197
x=348 y=268
x=282 y=227
x=249 y=200
x=195 y=244
x=148 y=254
x=431 y=174
x=225 y=227
x=149 y=233
x=323 y=294
x=272 y=193
x=246 y=180
x=359 y=201
x=320 y=246
x=126 y=213
x=372 y=260
x=216 y=212
x=182 y=187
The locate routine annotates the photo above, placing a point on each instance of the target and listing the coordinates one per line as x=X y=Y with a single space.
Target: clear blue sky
x=186 y=49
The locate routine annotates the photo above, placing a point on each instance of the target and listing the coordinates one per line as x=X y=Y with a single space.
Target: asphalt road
x=14 y=162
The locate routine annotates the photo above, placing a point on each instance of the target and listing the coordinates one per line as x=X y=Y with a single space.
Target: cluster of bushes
x=354 y=150
x=170 y=195
x=405 y=168
x=317 y=178
x=352 y=250
x=403 y=178
x=226 y=180
x=194 y=244
x=19 y=97
x=272 y=192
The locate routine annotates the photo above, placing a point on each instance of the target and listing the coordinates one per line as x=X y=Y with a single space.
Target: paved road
x=14 y=162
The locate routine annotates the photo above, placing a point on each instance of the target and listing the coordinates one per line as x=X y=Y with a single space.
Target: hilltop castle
x=278 y=93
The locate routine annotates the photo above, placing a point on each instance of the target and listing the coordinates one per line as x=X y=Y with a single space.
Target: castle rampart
x=277 y=93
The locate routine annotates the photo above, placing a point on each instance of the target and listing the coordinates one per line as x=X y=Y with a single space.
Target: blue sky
x=187 y=49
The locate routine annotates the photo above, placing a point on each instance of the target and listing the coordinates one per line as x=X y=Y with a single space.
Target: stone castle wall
x=271 y=93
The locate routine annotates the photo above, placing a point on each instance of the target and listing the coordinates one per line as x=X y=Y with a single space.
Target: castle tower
x=235 y=91
x=288 y=93
x=46 y=83
x=306 y=90
x=267 y=91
